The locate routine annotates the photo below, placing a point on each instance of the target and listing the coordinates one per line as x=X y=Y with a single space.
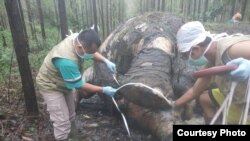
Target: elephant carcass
x=143 y=48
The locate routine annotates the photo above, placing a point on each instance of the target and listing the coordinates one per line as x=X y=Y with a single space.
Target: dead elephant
x=143 y=48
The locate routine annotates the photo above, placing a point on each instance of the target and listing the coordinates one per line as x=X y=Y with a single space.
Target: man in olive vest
x=203 y=49
x=61 y=75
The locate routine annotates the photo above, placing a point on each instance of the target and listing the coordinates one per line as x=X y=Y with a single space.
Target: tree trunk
x=102 y=19
x=205 y=10
x=107 y=18
x=189 y=8
x=23 y=23
x=152 y=5
x=199 y=7
x=30 y=18
x=122 y=7
x=171 y=5
x=95 y=16
x=111 y=12
x=163 y=5
x=91 y=12
x=41 y=18
x=236 y=6
x=141 y=6
x=194 y=9
x=115 y=11
x=243 y=8
x=147 y=5
x=99 y=18
x=63 y=18
x=3 y=39
x=71 y=4
x=20 y=45
x=82 y=13
x=76 y=15
x=181 y=6
x=233 y=7
x=158 y=5
x=87 y=13
x=2 y=20
x=185 y=7
x=57 y=16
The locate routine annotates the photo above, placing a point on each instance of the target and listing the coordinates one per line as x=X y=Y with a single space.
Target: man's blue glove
x=243 y=70
x=110 y=65
x=109 y=91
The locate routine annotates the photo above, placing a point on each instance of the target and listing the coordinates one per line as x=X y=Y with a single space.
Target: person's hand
x=171 y=104
x=242 y=72
x=109 y=91
x=110 y=65
x=174 y=111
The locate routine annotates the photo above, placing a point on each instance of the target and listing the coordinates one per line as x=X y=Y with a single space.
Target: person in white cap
x=194 y=42
x=236 y=18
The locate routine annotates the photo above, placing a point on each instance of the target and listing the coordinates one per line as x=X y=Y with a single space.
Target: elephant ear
x=144 y=96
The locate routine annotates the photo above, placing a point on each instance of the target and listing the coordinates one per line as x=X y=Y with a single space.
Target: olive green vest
x=49 y=78
x=223 y=82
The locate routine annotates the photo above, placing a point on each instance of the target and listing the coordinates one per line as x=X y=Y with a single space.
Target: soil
x=97 y=122
x=94 y=122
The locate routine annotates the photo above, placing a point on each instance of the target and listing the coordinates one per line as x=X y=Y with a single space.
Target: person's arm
x=91 y=88
x=199 y=87
x=110 y=91
x=240 y=55
x=241 y=49
x=98 y=57
x=70 y=73
x=73 y=78
x=110 y=65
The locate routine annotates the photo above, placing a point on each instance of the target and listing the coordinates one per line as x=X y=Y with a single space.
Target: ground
x=97 y=123
x=94 y=121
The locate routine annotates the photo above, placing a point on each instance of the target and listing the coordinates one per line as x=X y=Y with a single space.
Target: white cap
x=190 y=34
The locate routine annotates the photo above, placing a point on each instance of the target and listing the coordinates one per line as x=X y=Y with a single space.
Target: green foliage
x=40 y=48
x=213 y=12
x=5 y=53
x=132 y=9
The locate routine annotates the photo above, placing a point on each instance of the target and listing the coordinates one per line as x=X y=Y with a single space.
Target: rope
x=228 y=102
x=224 y=105
x=117 y=107
x=245 y=114
x=123 y=117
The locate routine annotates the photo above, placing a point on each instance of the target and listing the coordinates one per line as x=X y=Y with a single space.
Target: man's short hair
x=88 y=37
x=205 y=43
